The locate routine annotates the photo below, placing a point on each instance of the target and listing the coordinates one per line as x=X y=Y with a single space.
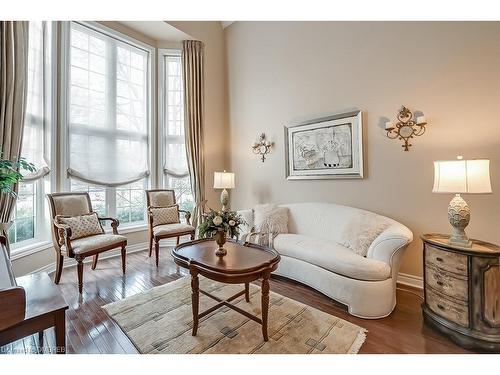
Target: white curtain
x=35 y=120
x=108 y=117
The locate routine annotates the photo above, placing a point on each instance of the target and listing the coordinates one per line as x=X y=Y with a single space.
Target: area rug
x=160 y=321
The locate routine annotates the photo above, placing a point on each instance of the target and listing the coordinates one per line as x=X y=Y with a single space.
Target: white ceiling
x=157 y=30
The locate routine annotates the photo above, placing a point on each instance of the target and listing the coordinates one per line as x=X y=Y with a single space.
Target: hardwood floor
x=90 y=330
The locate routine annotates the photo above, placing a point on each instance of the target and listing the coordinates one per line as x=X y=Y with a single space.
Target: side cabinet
x=462 y=291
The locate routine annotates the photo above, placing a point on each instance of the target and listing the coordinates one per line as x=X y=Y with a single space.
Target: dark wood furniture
x=75 y=204
x=462 y=291
x=45 y=308
x=165 y=198
x=242 y=264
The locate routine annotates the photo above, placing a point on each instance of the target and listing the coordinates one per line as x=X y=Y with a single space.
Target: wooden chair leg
x=177 y=240
x=40 y=340
x=79 y=267
x=150 y=245
x=157 y=252
x=94 y=261
x=192 y=236
x=59 y=267
x=124 y=256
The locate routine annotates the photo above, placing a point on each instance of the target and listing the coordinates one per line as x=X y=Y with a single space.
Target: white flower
x=232 y=223
x=217 y=220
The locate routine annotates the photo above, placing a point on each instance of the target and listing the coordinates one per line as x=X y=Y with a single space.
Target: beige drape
x=13 y=87
x=193 y=78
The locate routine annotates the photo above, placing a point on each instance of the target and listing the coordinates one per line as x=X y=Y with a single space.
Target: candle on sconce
x=421 y=120
x=389 y=125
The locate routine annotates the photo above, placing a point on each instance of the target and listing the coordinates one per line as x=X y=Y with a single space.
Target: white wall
x=280 y=73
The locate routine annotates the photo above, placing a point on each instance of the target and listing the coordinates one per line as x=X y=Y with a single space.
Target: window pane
x=23 y=220
x=97 y=195
x=183 y=195
x=130 y=202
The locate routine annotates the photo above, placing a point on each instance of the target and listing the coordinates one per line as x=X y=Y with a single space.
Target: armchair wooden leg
x=59 y=267
x=124 y=256
x=94 y=261
x=157 y=252
x=177 y=240
x=79 y=268
x=192 y=236
x=150 y=246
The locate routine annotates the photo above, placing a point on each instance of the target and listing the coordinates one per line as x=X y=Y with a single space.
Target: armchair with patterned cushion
x=164 y=219
x=77 y=232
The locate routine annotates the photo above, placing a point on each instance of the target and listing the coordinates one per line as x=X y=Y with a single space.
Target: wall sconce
x=406 y=127
x=262 y=147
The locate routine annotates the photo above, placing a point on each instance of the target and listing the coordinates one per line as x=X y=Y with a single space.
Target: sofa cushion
x=331 y=256
x=86 y=244
x=167 y=229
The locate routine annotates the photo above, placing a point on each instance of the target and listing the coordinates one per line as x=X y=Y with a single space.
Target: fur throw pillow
x=269 y=218
x=361 y=231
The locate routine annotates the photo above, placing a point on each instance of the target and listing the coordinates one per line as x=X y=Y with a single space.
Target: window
x=108 y=83
x=29 y=224
x=176 y=175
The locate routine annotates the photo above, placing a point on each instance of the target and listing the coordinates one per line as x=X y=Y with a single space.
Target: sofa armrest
x=387 y=244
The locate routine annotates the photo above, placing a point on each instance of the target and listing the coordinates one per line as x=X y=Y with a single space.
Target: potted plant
x=219 y=224
x=10 y=175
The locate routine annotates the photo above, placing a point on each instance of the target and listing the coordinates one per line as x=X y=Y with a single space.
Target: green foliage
x=9 y=173
x=221 y=220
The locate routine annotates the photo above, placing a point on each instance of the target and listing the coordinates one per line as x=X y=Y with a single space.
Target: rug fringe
x=358 y=342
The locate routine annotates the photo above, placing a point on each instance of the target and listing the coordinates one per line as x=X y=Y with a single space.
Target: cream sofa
x=312 y=254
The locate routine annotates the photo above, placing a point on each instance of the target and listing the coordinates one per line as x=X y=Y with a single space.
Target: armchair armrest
x=114 y=223
x=64 y=232
x=187 y=216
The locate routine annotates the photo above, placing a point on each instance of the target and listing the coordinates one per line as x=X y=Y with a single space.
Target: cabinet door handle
x=440 y=306
x=439 y=259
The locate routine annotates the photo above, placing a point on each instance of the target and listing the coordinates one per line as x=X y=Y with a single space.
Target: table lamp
x=224 y=180
x=461 y=176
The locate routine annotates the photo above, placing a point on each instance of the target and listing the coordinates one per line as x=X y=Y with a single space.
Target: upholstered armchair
x=164 y=219
x=77 y=232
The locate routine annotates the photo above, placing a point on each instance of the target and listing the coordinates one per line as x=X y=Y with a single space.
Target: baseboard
x=69 y=262
x=411 y=280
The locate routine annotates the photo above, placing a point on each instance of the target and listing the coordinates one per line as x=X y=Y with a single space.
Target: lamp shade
x=462 y=176
x=223 y=180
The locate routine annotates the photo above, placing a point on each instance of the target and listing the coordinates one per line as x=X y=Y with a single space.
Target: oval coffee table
x=242 y=264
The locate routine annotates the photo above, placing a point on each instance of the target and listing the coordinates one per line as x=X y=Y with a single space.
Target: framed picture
x=329 y=147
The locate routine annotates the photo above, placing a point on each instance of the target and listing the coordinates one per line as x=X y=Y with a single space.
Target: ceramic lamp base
x=459 y=217
x=224 y=200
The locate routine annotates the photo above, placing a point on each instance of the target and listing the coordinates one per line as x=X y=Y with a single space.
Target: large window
x=108 y=121
x=175 y=168
x=28 y=219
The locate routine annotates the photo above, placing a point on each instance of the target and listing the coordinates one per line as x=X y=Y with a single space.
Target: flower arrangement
x=221 y=221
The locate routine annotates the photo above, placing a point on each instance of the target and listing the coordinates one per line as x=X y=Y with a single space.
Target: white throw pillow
x=361 y=231
x=269 y=218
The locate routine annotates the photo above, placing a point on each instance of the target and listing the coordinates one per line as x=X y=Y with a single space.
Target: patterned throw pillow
x=165 y=215
x=83 y=225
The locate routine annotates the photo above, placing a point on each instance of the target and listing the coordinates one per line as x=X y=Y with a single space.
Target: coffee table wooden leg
x=195 y=298
x=247 y=292
x=265 y=305
x=60 y=328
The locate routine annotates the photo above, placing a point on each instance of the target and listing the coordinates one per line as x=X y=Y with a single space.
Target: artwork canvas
x=329 y=147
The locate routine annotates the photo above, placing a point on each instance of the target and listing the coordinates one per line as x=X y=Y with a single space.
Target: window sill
x=32 y=248
x=129 y=228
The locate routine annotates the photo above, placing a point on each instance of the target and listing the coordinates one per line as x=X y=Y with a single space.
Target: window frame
x=65 y=45
x=162 y=110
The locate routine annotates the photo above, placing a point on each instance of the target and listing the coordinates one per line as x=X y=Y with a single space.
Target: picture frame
x=325 y=148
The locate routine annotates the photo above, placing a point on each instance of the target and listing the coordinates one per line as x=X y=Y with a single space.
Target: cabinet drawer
x=447 y=283
x=446 y=260
x=448 y=309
